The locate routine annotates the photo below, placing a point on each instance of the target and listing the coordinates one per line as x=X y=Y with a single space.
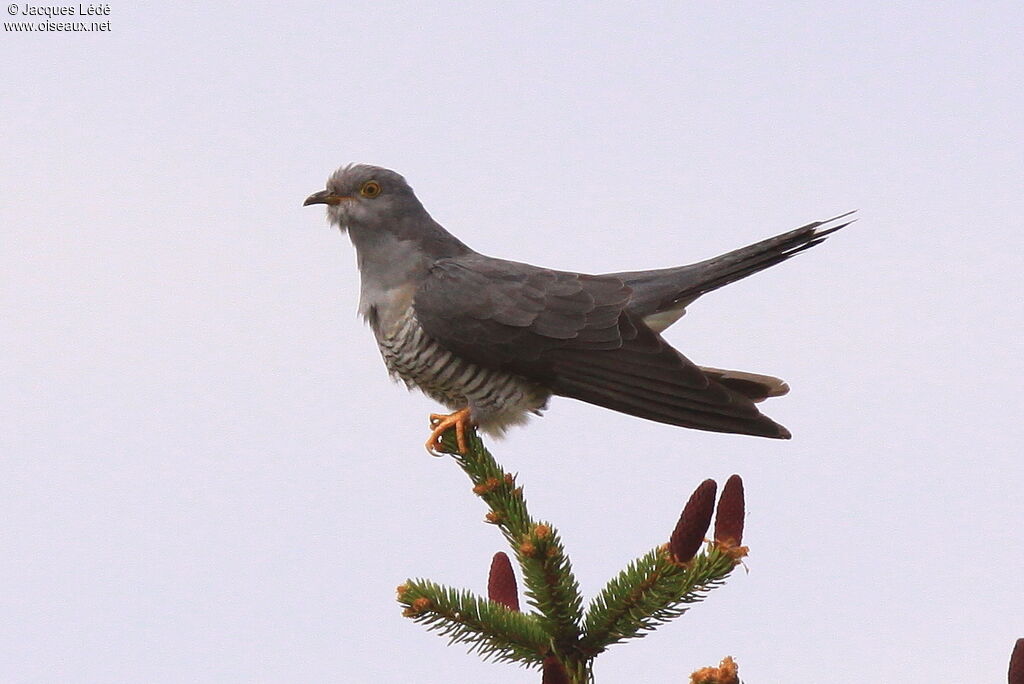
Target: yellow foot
x=440 y=422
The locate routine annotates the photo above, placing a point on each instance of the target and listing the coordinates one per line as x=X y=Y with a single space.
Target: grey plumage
x=500 y=337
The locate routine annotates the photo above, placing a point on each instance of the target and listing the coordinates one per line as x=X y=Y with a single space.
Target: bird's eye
x=370 y=189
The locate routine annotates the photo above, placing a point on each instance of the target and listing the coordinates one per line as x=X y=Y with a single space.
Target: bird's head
x=364 y=195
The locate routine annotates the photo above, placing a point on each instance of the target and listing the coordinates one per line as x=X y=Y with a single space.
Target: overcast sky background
x=206 y=474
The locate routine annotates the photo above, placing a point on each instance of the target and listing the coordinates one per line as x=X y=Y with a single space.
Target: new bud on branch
x=1016 y=674
x=693 y=523
x=696 y=518
x=729 y=517
x=501 y=582
x=726 y=673
x=554 y=672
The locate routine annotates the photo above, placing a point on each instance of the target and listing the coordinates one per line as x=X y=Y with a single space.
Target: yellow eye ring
x=370 y=189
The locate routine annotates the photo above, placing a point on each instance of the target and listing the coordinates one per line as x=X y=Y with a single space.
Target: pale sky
x=206 y=474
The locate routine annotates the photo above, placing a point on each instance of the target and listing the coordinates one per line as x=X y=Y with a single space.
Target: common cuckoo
x=492 y=339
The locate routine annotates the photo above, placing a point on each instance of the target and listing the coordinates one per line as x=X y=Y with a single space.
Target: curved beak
x=324 y=197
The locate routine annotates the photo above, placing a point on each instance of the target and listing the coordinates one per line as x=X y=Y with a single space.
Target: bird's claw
x=439 y=424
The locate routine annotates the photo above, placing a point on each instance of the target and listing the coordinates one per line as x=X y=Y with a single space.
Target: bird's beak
x=324 y=197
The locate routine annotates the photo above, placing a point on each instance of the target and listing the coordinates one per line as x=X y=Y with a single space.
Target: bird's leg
x=439 y=422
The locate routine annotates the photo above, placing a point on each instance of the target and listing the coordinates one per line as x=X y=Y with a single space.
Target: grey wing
x=576 y=335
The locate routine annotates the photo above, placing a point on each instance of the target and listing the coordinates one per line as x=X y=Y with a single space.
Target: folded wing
x=576 y=335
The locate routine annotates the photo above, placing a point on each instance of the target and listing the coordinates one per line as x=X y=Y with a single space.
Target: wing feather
x=575 y=334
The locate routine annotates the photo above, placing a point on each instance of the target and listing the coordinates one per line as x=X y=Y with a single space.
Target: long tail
x=754 y=386
x=660 y=296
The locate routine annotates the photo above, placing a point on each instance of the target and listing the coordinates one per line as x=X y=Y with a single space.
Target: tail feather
x=753 y=386
x=662 y=295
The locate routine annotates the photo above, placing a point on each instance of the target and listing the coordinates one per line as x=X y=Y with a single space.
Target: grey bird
x=493 y=340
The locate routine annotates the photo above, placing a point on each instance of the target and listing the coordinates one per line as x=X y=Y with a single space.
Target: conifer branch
x=651 y=591
x=490 y=628
x=558 y=638
x=551 y=586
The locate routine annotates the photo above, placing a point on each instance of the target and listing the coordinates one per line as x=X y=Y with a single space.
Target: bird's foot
x=440 y=422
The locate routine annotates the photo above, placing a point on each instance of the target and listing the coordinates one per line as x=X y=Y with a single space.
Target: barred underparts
x=498 y=399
